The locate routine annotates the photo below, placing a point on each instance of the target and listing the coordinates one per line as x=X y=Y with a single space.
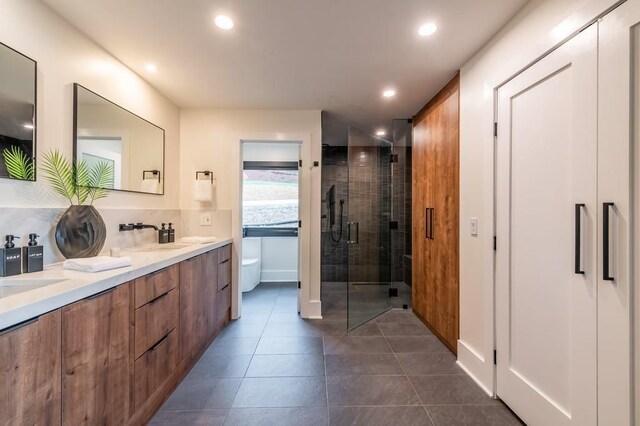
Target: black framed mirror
x=104 y=132
x=18 y=88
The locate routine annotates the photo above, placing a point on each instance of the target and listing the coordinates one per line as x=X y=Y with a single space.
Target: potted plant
x=80 y=232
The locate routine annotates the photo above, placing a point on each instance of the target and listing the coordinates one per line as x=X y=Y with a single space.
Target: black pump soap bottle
x=10 y=258
x=32 y=255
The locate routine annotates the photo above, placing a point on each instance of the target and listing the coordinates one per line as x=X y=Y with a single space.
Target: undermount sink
x=9 y=287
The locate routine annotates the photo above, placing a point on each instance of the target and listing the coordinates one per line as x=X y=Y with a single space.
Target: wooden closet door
x=443 y=265
x=436 y=214
x=419 y=229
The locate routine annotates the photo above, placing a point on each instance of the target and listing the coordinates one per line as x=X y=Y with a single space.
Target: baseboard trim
x=470 y=361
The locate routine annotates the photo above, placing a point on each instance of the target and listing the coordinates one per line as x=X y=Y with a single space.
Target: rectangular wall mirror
x=17 y=115
x=107 y=133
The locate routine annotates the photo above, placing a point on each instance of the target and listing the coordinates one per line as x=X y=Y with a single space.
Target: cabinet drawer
x=224 y=303
x=154 y=320
x=154 y=367
x=224 y=253
x=224 y=274
x=155 y=284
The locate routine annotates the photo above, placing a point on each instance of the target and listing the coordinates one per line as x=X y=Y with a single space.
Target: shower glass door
x=368 y=235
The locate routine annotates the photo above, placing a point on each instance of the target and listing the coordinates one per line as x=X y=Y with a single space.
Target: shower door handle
x=349 y=240
x=606 y=273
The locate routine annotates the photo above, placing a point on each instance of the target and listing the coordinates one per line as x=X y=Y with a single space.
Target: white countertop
x=20 y=307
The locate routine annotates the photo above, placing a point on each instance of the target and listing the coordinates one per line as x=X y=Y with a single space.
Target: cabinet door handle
x=426 y=223
x=606 y=273
x=154 y=300
x=157 y=272
x=19 y=325
x=431 y=215
x=578 y=239
x=161 y=341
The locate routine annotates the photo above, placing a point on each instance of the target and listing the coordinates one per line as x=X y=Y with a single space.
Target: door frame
x=308 y=308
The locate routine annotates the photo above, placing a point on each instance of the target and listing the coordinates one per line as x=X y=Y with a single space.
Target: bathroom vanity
x=110 y=347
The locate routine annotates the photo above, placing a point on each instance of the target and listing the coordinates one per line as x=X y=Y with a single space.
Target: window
x=270 y=199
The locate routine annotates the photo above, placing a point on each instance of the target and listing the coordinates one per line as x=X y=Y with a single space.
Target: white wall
x=64 y=56
x=541 y=25
x=279 y=259
x=210 y=140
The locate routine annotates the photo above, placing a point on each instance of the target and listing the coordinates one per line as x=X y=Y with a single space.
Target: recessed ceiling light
x=151 y=68
x=224 y=22
x=28 y=126
x=381 y=132
x=389 y=93
x=427 y=29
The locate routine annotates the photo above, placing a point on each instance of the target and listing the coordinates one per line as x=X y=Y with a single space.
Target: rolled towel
x=198 y=240
x=150 y=185
x=203 y=190
x=96 y=264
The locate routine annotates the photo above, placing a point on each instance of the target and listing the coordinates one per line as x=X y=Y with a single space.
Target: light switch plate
x=474 y=226
x=205 y=219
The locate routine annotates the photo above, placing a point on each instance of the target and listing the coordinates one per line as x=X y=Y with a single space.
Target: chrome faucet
x=133 y=226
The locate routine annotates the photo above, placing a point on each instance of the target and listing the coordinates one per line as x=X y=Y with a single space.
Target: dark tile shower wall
x=371 y=175
x=334 y=255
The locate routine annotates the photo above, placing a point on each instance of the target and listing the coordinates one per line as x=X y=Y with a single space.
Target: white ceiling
x=333 y=55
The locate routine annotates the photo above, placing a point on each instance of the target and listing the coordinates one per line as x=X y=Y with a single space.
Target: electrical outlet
x=205 y=219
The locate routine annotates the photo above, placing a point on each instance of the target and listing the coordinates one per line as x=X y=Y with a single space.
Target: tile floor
x=272 y=368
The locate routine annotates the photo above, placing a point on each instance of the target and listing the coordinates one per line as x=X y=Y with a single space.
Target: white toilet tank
x=251 y=263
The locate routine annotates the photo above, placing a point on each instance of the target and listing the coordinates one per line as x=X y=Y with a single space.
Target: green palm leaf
x=59 y=173
x=101 y=180
x=83 y=181
x=19 y=166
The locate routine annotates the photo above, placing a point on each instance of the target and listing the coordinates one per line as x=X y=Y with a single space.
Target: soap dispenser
x=172 y=233
x=163 y=234
x=10 y=262
x=32 y=255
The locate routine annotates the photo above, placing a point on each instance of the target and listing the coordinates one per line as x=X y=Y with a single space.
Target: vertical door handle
x=348 y=232
x=426 y=223
x=578 y=240
x=357 y=233
x=433 y=213
x=606 y=273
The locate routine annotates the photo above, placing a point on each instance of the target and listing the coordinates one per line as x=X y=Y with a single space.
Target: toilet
x=251 y=263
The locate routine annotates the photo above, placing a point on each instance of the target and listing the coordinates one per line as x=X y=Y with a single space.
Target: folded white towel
x=96 y=264
x=150 y=185
x=203 y=190
x=198 y=240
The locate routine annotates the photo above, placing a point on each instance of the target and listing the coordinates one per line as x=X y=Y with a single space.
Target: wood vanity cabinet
x=200 y=318
x=96 y=358
x=30 y=379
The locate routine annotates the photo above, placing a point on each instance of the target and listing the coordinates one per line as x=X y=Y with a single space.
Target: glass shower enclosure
x=368 y=227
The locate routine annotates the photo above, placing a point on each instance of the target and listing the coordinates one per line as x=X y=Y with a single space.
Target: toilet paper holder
x=206 y=173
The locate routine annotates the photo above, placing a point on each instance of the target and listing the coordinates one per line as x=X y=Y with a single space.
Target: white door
x=546 y=302
x=619 y=109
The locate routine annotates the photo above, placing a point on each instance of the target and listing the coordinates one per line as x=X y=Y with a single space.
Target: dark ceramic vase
x=80 y=232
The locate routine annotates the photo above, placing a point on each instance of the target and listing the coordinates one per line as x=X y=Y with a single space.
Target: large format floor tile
x=202 y=394
x=196 y=418
x=282 y=392
x=286 y=365
x=379 y=416
x=307 y=416
x=472 y=415
x=362 y=364
x=271 y=367
x=370 y=390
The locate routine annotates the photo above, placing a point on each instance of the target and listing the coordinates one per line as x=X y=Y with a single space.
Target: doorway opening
x=270 y=228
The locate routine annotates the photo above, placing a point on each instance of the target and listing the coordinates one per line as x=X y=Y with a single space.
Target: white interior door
x=546 y=198
x=618 y=115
